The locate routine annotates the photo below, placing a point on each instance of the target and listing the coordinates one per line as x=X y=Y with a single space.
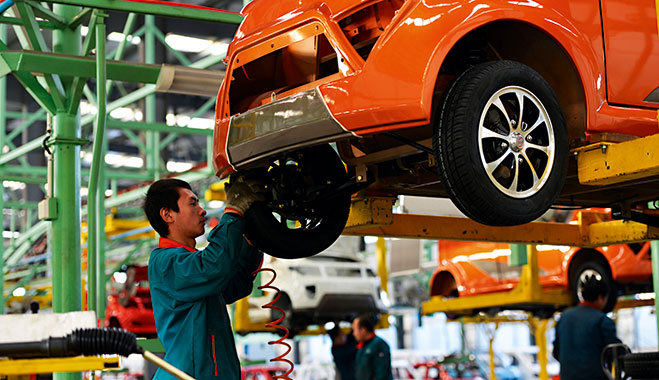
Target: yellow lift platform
x=20 y=368
x=373 y=216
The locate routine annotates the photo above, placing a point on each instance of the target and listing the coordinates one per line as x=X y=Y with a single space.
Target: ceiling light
x=187 y=44
x=118 y=159
x=178 y=167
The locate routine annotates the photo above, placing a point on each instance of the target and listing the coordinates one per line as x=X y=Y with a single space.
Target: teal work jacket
x=189 y=292
x=373 y=361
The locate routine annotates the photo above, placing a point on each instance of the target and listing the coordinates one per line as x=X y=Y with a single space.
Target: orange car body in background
x=474 y=268
x=565 y=41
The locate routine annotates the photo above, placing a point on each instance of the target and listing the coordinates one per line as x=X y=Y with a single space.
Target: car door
x=631 y=49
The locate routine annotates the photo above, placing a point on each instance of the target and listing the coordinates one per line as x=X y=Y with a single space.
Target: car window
x=343 y=272
x=306 y=270
x=370 y=273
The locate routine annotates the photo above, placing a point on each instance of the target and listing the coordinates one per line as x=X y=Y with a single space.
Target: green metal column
x=96 y=212
x=152 y=137
x=66 y=155
x=3 y=130
x=655 y=277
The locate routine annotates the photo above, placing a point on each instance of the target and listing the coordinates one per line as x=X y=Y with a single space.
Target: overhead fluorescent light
x=118 y=159
x=178 y=167
x=115 y=36
x=9 y=234
x=187 y=44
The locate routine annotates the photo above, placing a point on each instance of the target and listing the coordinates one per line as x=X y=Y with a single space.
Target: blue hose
x=5 y=5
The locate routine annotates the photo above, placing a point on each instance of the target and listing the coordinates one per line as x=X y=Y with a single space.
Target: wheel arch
x=442 y=283
x=497 y=40
x=582 y=256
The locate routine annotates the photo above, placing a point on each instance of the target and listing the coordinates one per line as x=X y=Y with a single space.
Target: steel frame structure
x=56 y=77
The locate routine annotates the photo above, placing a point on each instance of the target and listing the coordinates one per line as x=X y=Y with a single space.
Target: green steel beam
x=80 y=18
x=18 y=21
x=180 y=56
x=168 y=140
x=152 y=137
x=121 y=49
x=47 y=14
x=38 y=43
x=76 y=66
x=80 y=83
x=134 y=139
x=139 y=193
x=3 y=114
x=21 y=159
x=24 y=115
x=21 y=150
x=39 y=115
x=22 y=273
x=95 y=256
x=159 y=9
x=21 y=205
x=126 y=259
x=24 y=280
x=124 y=101
x=158 y=127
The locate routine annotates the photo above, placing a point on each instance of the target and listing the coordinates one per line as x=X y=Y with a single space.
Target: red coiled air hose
x=275 y=324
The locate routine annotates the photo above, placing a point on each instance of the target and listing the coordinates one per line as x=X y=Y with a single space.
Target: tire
x=319 y=211
x=641 y=365
x=496 y=172
x=599 y=269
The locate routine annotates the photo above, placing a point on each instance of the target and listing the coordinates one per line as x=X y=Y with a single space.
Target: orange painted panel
x=631 y=37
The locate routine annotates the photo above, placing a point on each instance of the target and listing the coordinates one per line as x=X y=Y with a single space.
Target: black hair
x=334 y=332
x=162 y=194
x=592 y=288
x=367 y=321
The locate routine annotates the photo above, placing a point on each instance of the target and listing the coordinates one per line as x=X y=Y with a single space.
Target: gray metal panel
x=301 y=119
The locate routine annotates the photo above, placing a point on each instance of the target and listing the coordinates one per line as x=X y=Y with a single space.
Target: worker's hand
x=241 y=192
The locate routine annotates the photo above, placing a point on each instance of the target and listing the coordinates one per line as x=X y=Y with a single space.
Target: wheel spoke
x=513 y=186
x=520 y=100
x=528 y=161
x=535 y=125
x=500 y=106
x=491 y=167
x=543 y=149
x=488 y=133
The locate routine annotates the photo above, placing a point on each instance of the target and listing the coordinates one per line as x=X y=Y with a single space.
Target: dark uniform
x=190 y=290
x=344 y=357
x=373 y=361
x=581 y=335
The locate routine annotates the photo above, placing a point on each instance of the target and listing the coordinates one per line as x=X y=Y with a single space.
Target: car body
x=331 y=286
x=261 y=372
x=472 y=268
x=129 y=305
x=373 y=76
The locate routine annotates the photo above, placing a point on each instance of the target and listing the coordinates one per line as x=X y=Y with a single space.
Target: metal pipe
x=3 y=130
x=152 y=138
x=66 y=190
x=93 y=210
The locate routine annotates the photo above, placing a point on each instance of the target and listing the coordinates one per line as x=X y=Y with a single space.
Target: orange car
x=480 y=101
x=130 y=308
x=471 y=268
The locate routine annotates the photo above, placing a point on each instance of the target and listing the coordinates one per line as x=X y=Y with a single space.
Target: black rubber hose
x=79 y=342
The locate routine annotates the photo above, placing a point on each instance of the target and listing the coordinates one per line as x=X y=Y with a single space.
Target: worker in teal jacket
x=373 y=361
x=189 y=288
x=583 y=332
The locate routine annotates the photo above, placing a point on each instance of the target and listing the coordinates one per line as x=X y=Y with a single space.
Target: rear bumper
x=296 y=121
x=340 y=305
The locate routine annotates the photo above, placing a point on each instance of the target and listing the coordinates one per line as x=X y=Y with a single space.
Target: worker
x=190 y=288
x=582 y=333
x=373 y=360
x=344 y=351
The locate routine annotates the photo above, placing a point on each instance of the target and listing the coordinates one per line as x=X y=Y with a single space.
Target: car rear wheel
x=501 y=142
x=306 y=206
x=599 y=270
